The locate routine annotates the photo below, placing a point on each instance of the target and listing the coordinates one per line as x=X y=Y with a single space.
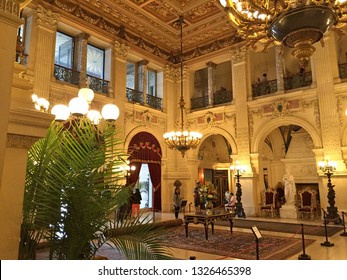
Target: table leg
x=206 y=231
x=186 y=226
x=212 y=226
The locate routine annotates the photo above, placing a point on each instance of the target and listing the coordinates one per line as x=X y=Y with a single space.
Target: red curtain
x=145 y=148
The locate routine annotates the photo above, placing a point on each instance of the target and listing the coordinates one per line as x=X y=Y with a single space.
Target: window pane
x=151 y=80
x=95 y=62
x=64 y=50
x=130 y=75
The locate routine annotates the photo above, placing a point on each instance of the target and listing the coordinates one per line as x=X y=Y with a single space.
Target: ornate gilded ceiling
x=149 y=24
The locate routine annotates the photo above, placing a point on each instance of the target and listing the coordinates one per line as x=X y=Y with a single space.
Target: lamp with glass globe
x=78 y=107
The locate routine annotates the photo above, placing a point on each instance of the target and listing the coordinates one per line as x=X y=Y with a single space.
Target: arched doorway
x=214 y=162
x=289 y=147
x=144 y=149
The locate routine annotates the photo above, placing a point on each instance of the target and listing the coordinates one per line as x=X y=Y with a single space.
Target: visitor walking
x=136 y=201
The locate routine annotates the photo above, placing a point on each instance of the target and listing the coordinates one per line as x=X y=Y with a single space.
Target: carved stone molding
x=20 y=141
x=10 y=6
x=238 y=55
x=341 y=104
x=331 y=142
x=145 y=118
x=47 y=18
x=315 y=105
x=120 y=50
x=170 y=72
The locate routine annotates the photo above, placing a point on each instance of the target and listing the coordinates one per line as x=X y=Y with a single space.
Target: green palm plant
x=73 y=185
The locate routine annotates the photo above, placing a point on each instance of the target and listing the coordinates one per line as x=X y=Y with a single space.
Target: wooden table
x=208 y=220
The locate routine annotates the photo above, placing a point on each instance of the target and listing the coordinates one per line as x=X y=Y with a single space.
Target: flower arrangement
x=208 y=193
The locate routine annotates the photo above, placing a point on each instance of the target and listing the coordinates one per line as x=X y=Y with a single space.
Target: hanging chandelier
x=296 y=24
x=78 y=107
x=182 y=140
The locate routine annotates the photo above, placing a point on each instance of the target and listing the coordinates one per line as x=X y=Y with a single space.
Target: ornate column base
x=239 y=210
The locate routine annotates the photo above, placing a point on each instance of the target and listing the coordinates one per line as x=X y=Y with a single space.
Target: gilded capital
x=239 y=55
x=47 y=18
x=120 y=50
x=170 y=72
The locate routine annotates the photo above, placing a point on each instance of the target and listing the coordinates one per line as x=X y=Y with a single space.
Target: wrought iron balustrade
x=222 y=97
x=98 y=85
x=134 y=95
x=264 y=88
x=199 y=102
x=66 y=75
x=154 y=102
x=298 y=81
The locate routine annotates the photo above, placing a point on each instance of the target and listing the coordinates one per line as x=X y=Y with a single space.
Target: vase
x=209 y=207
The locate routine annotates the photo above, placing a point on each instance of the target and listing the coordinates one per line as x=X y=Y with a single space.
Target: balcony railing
x=66 y=75
x=154 y=102
x=199 y=102
x=98 y=85
x=134 y=95
x=343 y=70
x=222 y=97
x=264 y=88
x=298 y=81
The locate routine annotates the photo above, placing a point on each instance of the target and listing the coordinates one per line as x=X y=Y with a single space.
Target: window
x=135 y=83
x=64 y=49
x=151 y=82
x=95 y=62
x=131 y=75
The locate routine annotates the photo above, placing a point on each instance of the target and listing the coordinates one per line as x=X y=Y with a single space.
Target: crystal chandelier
x=182 y=140
x=296 y=24
x=77 y=107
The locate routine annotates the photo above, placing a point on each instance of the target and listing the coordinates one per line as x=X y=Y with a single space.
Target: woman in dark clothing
x=136 y=201
x=177 y=201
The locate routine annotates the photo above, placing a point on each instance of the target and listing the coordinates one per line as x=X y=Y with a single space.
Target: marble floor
x=315 y=250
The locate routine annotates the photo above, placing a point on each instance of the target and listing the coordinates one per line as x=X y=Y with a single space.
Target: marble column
x=81 y=58
x=211 y=83
x=279 y=70
x=143 y=79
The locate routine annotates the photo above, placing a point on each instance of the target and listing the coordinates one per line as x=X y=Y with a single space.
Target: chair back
x=269 y=197
x=306 y=199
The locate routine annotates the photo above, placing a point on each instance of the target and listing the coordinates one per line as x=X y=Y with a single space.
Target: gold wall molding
x=20 y=141
x=10 y=7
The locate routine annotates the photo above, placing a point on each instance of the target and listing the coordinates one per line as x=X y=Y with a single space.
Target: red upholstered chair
x=306 y=206
x=268 y=206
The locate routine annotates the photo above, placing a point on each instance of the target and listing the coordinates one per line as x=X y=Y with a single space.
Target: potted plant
x=73 y=185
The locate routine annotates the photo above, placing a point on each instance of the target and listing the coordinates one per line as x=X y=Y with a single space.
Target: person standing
x=136 y=201
x=177 y=201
